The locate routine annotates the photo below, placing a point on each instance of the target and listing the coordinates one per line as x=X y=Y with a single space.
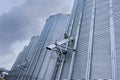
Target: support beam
x=61 y=68
x=50 y=47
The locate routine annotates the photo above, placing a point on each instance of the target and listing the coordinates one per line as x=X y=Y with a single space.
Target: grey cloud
x=22 y=22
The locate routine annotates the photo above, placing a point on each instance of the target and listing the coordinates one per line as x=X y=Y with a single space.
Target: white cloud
x=22 y=22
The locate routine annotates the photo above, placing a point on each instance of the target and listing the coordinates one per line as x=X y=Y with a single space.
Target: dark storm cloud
x=22 y=22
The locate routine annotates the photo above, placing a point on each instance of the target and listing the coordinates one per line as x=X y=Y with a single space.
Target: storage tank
x=53 y=31
x=95 y=26
x=38 y=57
x=22 y=60
x=94 y=52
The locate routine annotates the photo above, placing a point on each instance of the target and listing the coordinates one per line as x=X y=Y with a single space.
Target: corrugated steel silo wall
x=42 y=61
x=22 y=57
x=98 y=45
x=116 y=7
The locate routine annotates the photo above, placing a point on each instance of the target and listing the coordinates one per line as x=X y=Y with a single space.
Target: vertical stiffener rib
x=112 y=39
x=90 y=46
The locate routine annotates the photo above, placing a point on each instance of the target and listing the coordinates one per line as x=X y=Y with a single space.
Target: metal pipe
x=73 y=54
x=61 y=68
x=62 y=56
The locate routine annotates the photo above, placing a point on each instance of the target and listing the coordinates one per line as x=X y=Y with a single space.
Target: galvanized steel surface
x=97 y=44
x=41 y=61
x=103 y=60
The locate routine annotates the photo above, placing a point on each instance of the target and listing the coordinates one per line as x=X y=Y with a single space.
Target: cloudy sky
x=20 y=20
